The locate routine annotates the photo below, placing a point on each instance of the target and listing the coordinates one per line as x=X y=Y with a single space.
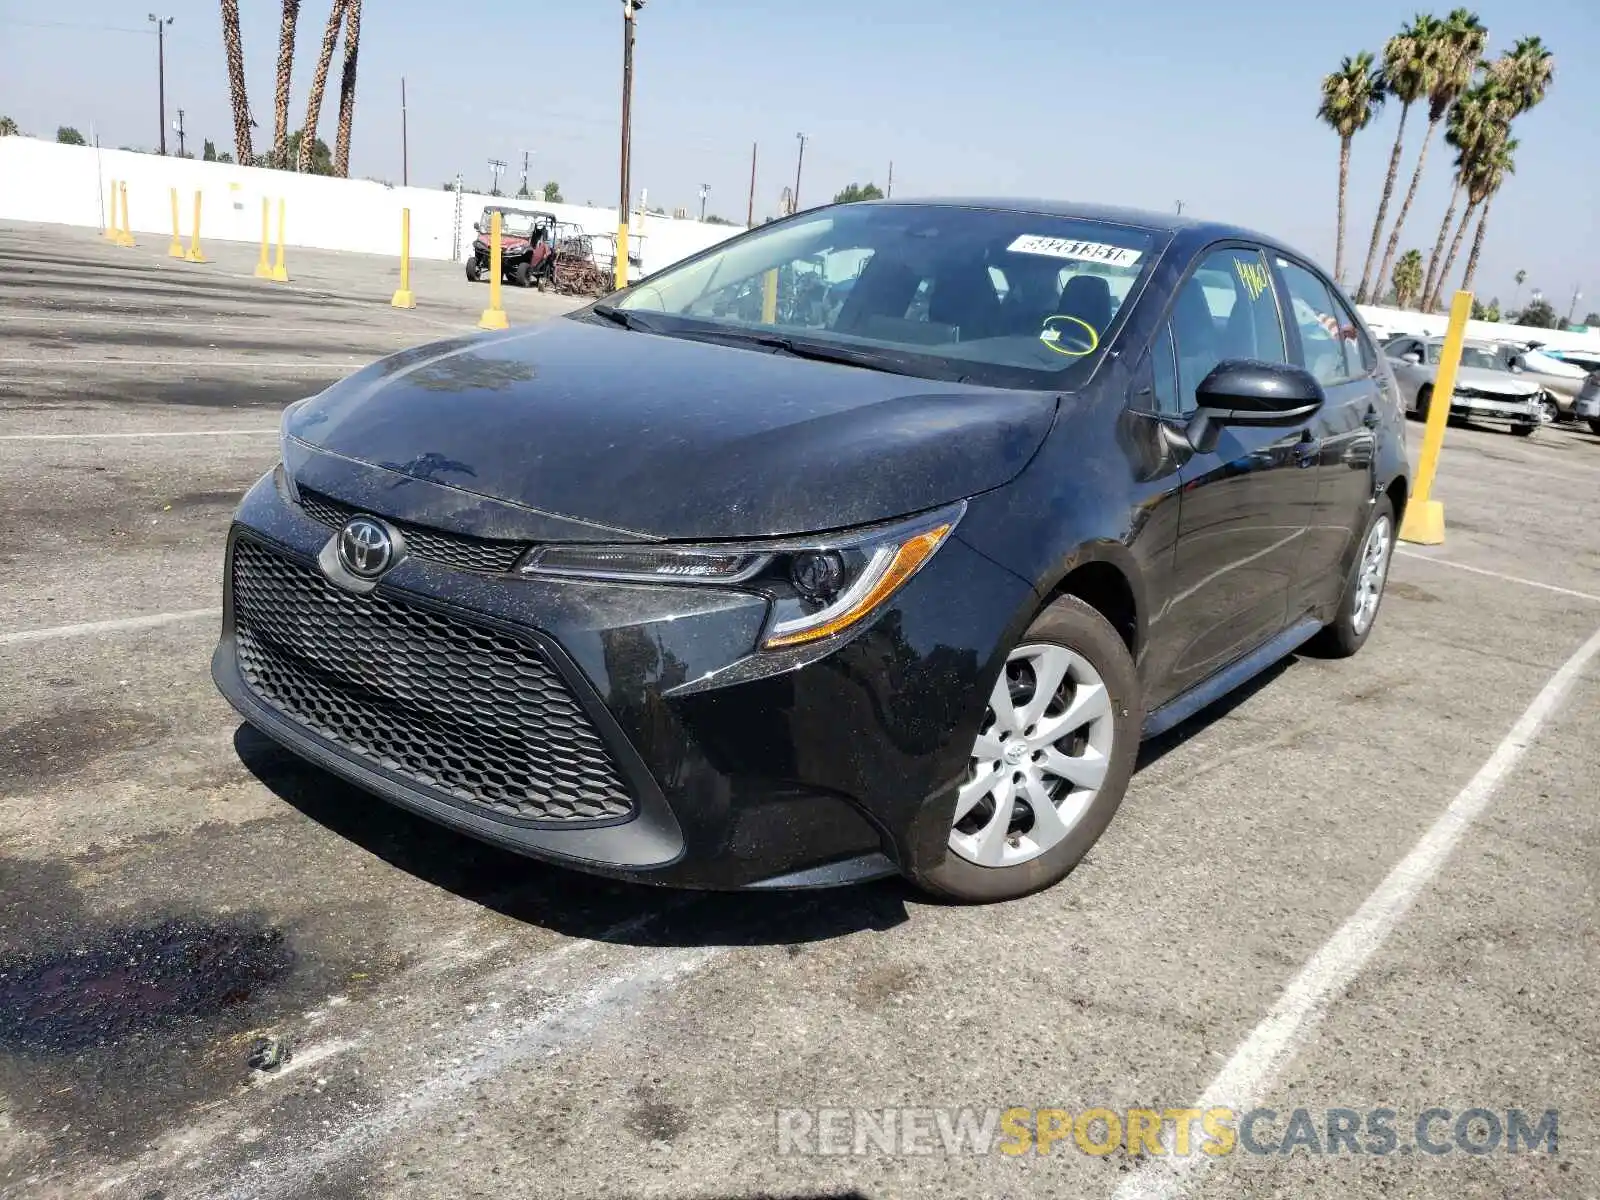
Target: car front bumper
x=1518 y=411
x=817 y=766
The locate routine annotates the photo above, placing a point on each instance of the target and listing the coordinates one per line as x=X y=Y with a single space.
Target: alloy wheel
x=1373 y=570
x=1039 y=760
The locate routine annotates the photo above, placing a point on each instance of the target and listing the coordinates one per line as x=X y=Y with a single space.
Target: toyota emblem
x=365 y=548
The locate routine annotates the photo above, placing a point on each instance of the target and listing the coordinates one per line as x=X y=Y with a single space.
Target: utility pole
x=161 y=24
x=798 y=163
x=526 y=154
x=750 y=212
x=1573 y=307
x=629 y=9
x=1180 y=208
x=705 y=190
x=405 y=144
x=497 y=168
x=177 y=127
x=889 y=191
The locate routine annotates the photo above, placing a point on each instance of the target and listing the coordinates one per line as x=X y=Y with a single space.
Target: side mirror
x=1412 y=357
x=1241 y=391
x=477 y=226
x=1517 y=365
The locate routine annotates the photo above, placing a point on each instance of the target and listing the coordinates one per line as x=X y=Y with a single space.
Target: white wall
x=70 y=185
x=1396 y=320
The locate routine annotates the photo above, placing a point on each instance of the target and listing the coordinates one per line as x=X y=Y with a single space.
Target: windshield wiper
x=849 y=356
x=619 y=316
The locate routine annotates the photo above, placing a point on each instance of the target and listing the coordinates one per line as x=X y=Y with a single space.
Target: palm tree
x=347 y=87
x=1473 y=171
x=233 y=46
x=1455 y=55
x=319 y=83
x=1471 y=118
x=1521 y=277
x=280 y=129
x=1407 y=76
x=1526 y=72
x=1495 y=169
x=1351 y=96
x=1407 y=278
x=8 y=127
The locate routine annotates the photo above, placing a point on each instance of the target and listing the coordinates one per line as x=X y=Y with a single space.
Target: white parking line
x=1533 y=583
x=151 y=433
x=87 y=628
x=1246 y=1077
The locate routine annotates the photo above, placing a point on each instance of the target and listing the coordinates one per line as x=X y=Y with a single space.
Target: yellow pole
x=494 y=317
x=621 y=279
x=279 y=273
x=111 y=224
x=1424 y=519
x=403 y=298
x=769 y=298
x=175 y=246
x=263 y=264
x=194 y=254
x=125 y=238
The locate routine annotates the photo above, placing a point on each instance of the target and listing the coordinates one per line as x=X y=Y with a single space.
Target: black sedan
x=872 y=540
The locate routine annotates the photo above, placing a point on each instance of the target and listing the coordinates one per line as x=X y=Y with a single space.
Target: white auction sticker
x=1053 y=247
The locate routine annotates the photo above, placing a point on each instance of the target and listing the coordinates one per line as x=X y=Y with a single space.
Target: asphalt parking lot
x=175 y=893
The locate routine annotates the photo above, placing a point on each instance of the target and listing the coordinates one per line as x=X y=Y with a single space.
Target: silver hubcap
x=1548 y=412
x=1039 y=759
x=1374 y=568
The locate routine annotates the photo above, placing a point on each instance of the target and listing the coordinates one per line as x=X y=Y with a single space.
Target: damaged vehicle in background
x=708 y=587
x=527 y=251
x=1485 y=389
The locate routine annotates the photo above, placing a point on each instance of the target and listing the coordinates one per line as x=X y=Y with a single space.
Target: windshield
x=512 y=224
x=1007 y=298
x=1471 y=356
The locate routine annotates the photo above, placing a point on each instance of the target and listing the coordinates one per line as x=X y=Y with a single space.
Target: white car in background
x=1485 y=387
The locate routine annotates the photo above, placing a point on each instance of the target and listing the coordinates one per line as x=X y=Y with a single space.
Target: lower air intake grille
x=481 y=718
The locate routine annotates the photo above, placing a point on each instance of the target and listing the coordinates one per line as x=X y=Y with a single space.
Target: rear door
x=1247 y=501
x=1330 y=343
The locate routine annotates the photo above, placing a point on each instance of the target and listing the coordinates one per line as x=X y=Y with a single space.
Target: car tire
x=1099 y=685
x=1523 y=430
x=1424 y=397
x=472 y=272
x=1594 y=425
x=522 y=273
x=1549 y=411
x=1349 y=630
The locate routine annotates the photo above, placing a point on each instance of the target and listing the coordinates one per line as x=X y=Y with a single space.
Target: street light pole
x=161 y=24
x=405 y=142
x=629 y=9
x=705 y=190
x=794 y=200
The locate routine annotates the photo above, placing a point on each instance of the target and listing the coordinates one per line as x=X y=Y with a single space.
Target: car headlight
x=819 y=586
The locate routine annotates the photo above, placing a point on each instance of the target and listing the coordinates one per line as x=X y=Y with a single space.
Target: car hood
x=605 y=432
x=1501 y=383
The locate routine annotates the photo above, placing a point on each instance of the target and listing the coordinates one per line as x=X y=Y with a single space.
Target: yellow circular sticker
x=1051 y=336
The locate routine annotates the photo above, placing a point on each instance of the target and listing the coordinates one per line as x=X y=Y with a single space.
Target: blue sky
x=1132 y=103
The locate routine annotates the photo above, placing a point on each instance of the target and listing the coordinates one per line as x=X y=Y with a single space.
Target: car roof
x=1156 y=222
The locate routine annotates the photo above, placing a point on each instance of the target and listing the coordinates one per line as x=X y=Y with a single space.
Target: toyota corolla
x=872 y=540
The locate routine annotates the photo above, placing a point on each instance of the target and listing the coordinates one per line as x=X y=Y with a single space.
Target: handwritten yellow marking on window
x=1254 y=277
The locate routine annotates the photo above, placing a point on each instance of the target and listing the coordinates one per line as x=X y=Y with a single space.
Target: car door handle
x=1307 y=450
x=1370 y=420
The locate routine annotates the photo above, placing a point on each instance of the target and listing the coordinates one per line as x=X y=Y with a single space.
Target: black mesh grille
x=451 y=549
x=474 y=714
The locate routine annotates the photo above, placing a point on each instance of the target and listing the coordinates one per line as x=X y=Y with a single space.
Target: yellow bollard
x=175 y=246
x=1424 y=519
x=125 y=235
x=279 y=274
x=194 y=254
x=494 y=317
x=622 y=254
x=403 y=298
x=263 y=266
x=111 y=223
x=769 y=298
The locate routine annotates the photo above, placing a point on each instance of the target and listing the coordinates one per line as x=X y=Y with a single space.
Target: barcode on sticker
x=1115 y=256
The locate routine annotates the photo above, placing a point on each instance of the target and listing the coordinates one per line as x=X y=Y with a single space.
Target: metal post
x=705 y=190
x=455 y=241
x=794 y=201
x=1423 y=523
x=264 y=263
x=889 y=191
x=750 y=213
x=629 y=9
x=279 y=273
x=161 y=73
x=1573 y=307
x=175 y=246
x=494 y=317
x=405 y=156
x=179 y=128
x=404 y=297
